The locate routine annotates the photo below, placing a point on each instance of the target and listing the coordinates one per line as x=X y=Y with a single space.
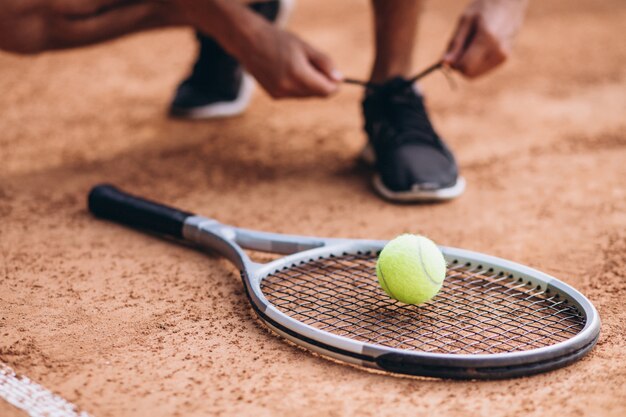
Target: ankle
x=382 y=73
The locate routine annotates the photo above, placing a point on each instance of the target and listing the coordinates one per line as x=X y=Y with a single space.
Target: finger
x=317 y=84
x=313 y=82
x=323 y=63
x=460 y=40
x=482 y=55
x=113 y=23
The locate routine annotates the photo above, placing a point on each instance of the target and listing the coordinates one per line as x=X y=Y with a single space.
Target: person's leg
x=218 y=86
x=413 y=164
x=395 y=23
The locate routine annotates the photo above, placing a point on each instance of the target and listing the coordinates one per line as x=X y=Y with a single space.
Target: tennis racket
x=492 y=319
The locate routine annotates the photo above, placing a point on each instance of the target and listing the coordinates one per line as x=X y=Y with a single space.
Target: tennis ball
x=411 y=269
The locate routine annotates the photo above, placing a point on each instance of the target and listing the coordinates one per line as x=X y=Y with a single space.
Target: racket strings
x=478 y=310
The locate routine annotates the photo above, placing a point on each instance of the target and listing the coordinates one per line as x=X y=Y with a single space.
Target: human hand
x=283 y=64
x=286 y=66
x=484 y=36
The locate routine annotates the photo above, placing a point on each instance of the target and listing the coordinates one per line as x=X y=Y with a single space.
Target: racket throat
x=211 y=234
x=274 y=242
x=196 y=226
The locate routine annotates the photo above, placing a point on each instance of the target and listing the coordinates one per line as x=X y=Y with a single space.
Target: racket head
x=492 y=319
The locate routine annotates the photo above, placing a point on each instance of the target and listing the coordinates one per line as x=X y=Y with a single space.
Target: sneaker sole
x=234 y=108
x=419 y=196
x=416 y=195
x=220 y=109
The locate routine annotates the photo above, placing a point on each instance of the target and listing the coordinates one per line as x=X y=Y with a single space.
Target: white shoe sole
x=284 y=12
x=234 y=108
x=416 y=194
x=221 y=108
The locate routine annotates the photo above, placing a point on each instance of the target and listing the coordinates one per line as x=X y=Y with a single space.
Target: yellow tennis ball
x=411 y=269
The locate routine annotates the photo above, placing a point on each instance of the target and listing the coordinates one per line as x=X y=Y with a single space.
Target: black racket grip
x=108 y=202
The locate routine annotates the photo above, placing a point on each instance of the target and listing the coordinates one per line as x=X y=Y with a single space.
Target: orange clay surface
x=124 y=324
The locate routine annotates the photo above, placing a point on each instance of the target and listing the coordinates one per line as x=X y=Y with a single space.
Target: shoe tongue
x=398 y=83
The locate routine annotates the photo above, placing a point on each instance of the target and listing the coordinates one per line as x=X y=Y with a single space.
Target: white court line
x=33 y=398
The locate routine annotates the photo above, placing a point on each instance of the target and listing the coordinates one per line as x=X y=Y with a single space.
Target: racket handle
x=107 y=202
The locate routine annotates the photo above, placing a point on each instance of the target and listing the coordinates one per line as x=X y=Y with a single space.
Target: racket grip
x=108 y=202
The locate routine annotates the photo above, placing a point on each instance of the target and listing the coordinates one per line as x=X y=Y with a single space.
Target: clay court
x=124 y=324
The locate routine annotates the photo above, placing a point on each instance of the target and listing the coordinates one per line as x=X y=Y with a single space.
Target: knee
x=23 y=29
x=26 y=36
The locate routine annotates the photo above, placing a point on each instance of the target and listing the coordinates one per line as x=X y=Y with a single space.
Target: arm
x=283 y=64
x=484 y=35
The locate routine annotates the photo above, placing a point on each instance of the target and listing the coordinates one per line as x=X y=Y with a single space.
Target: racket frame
x=231 y=242
x=107 y=202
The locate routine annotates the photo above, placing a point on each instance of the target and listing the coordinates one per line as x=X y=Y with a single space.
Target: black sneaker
x=218 y=86
x=413 y=163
